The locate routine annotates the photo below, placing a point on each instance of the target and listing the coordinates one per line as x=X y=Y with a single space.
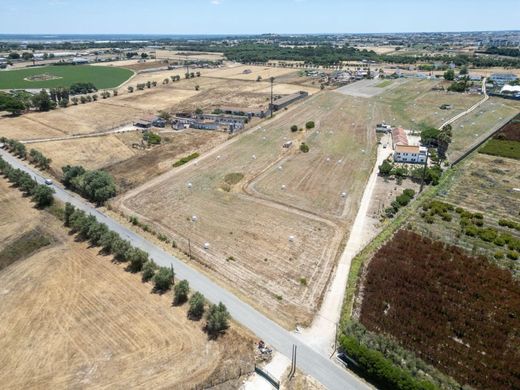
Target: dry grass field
x=73 y=319
x=414 y=102
x=106 y=150
x=190 y=55
x=248 y=231
x=476 y=124
x=144 y=166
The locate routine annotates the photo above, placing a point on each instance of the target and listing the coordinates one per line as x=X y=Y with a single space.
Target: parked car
x=48 y=182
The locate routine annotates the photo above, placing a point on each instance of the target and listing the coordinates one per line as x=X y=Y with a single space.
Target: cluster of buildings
x=502 y=84
x=403 y=151
x=222 y=122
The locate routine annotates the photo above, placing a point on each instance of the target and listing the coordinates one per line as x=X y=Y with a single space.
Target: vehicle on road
x=48 y=182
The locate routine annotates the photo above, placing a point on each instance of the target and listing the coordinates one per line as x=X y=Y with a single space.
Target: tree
x=74 y=100
x=148 y=84
x=119 y=249
x=180 y=292
x=199 y=111
x=42 y=101
x=137 y=258
x=197 y=87
x=82 y=88
x=463 y=70
x=97 y=186
x=69 y=210
x=259 y=78
x=63 y=103
x=83 y=99
x=163 y=279
x=304 y=147
x=196 y=309
x=309 y=125
x=12 y=104
x=385 y=168
x=217 y=319
x=148 y=270
x=70 y=172
x=96 y=232
x=294 y=128
x=107 y=241
x=42 y=196
x=166 y=81
x=165 y=115
x=95 y=97
x=130 y=89
x=449 y=75
x=144 y=55
x=13 y=56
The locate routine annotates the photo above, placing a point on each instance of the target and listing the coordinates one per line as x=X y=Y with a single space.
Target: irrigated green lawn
x=102 y=76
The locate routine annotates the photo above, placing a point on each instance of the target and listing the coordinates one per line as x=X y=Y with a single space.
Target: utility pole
x=272 y=108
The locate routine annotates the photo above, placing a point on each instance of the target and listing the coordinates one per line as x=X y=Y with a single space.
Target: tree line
x=88 y=228
x=40 y=194
x=19 y=149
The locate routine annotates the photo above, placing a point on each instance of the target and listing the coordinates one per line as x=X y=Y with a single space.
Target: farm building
x=399 y=137
x=503 y=78
x=241 y=111
x=284 y=101
x=230 y=123
x=410 y=154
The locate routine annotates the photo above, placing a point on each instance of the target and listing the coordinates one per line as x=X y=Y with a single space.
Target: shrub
x=163 y=279
x=148 y=270
x=43 y=196
x=471 y=230
x=513 y=255
x=180 y=292
x=304 y=147
x=309 y=125
x=403 y=200
x=487 y=234
x=409 y=192
x=196 y=309
x=380 y=370
x=294 y=128
x=186 y=159
x=498 y=255
x=499 y=241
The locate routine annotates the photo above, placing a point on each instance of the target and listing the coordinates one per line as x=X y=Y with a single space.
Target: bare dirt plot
x=144 y=166
x=367 y=88
x=330 y=178
x=91 y=153
x=471 y=127
x=165 y=98
x=264 y=248
x=72 y=319
x=237 y=72
x=414 y=102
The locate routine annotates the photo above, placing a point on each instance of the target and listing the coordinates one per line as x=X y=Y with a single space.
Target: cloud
x=216 y=2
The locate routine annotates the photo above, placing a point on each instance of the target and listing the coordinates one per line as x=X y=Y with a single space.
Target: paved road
x=310 y=361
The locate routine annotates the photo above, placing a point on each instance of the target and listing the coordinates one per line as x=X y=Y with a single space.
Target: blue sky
x=251 y=17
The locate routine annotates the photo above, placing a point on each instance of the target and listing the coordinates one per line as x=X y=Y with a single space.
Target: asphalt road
x=310 y=361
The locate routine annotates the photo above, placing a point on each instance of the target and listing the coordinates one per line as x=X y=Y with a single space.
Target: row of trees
x=97 y=186
x=98 y=234
x=40 y=194
x=19 y=149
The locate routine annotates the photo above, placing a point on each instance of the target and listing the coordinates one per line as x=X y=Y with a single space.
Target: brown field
x=248 y=231
x=73 y=319
x=144 y=166
x=482 y=184
x=462 y=318
x=237 y=72
x=106 y=149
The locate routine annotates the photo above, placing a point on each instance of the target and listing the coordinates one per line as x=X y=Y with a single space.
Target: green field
x=502 y=148
x=384 y=84
x=63 y=76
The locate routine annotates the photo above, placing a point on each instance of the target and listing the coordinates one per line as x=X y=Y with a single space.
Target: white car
x=48 y=182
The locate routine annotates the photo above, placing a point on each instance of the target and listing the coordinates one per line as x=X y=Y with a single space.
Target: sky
x=254 y=16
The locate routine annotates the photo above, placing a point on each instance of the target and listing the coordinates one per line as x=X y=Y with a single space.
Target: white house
x=410 y=154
